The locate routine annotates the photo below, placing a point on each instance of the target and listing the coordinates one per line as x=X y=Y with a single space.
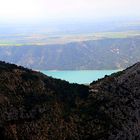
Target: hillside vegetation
x=37 y=107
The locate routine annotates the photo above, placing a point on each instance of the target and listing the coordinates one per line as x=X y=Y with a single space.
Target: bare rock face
x=37 y=107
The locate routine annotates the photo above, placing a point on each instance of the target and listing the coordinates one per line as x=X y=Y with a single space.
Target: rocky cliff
x=37 y=107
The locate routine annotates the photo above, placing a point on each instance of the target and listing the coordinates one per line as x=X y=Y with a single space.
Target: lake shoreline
x=80 y=77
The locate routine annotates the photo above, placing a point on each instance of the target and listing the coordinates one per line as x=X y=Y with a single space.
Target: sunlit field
x=45 y=39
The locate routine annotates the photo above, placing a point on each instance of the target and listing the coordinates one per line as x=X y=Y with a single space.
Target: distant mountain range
x=105 y=53
x=34 y=106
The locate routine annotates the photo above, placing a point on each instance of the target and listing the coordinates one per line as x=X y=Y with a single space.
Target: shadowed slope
x=37 y=107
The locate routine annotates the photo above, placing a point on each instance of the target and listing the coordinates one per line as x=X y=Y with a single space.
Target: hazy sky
x=30 y=10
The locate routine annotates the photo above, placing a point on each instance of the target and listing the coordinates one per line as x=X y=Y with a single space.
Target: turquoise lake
x=80 y=77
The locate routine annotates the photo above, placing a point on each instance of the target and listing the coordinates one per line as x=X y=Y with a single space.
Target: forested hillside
x=36 y=107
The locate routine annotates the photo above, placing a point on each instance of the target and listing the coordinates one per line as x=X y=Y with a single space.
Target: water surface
x=80 y=77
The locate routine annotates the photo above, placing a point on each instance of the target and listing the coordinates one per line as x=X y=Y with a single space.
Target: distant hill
x=37 y=107
x=117 y=53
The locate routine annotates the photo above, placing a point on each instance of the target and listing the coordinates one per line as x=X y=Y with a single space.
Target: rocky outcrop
x=37 y=107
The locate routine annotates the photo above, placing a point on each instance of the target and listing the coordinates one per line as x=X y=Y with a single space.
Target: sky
x=42 y=10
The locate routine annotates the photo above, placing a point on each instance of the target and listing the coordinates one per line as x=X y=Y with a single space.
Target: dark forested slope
x=37 y=107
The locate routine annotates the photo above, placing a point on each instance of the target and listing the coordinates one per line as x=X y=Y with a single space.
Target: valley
x=41 y=39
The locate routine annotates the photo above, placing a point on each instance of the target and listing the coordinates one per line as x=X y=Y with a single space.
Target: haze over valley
x=70 y=35
x=88 y=46
x=69 y=69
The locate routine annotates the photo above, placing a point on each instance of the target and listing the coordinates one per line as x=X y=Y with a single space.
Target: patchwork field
x=45 y=39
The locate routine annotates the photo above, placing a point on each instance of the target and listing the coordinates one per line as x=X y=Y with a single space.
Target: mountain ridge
x=102 y=54
x=35 y=106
